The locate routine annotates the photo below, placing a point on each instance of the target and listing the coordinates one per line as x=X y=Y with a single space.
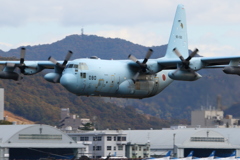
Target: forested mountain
x=85 y=46
x=39 y=100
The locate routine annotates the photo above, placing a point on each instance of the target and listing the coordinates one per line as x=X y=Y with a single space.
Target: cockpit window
x=75 y=66
x=83 y=66
x=70 y=66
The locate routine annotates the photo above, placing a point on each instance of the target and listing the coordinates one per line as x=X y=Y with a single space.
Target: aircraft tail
x=168 y=154
x=178 y=38
x=233 y=154
x=190 y=154
x=212 y=154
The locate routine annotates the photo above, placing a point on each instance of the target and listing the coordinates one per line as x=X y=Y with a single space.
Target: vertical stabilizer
x=178 y=38
x=168 y=154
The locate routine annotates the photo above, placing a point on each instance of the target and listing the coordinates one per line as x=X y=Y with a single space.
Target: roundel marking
x=163 y=77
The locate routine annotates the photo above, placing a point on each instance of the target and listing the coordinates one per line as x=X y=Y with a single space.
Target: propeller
x=22 y=66
x=60 y=67
x=142 y=65
x=63 y=65
x=186 y=62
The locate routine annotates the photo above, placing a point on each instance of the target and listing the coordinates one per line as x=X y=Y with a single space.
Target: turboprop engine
x=54 y=77
x=184 y=72
x=184 y=75
x=8 y=75
x=232 y=70
x=28 y=68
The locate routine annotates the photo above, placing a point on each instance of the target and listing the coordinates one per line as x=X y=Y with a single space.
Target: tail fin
x=233 y=154
x=168 y=154
x=212 y=154
x=190 y=154
x=178 y=38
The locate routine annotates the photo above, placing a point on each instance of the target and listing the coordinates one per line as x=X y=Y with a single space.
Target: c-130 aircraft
x=131 y=78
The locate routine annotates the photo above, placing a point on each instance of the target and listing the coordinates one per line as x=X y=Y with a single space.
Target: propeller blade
x=178 y=54
x=133 y=58
x=148 y=55
x=20 y=76
x=53 y=60
x=68 y=56
x=192 y=55
x=135 y=77
x=22 y=55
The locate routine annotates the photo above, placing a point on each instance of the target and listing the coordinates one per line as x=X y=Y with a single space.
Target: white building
x=182 y=141
x=35 y=142
x=212 y=118
x=134 y=143
x=101 y=143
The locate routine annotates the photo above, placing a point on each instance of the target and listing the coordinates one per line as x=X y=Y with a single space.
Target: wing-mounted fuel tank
x=184 y=75
x=232 y=70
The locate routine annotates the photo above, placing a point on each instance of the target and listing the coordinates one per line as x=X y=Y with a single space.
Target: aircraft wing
x=204 y=62
x=213 y=61
x=42 y=64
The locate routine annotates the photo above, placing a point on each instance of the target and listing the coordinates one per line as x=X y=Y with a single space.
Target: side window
x=83 y=75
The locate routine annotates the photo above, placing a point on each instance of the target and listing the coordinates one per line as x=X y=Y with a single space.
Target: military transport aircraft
x=131 y=78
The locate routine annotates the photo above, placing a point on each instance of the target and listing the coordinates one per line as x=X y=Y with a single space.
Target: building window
x=121 y=138
x=84 y=138
x=124 y=138
x=97 y=138
x=109 y=138
x=109 y=148
x=207 y=139
x=115 y=138
x=114 y=148
x=41 y=136
x=140 y=148
x=97 y=148
x=120 y=147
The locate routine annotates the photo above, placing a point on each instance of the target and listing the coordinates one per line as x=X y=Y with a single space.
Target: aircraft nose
x=69 y=81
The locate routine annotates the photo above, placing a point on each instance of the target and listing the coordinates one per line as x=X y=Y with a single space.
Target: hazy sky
x=213 y=25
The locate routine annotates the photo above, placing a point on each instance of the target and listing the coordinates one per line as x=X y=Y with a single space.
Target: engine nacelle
x=32 y=68
x=184 y=75
x=126 y=87
x=52 y=77
x=8 y=75
x=232 y=70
